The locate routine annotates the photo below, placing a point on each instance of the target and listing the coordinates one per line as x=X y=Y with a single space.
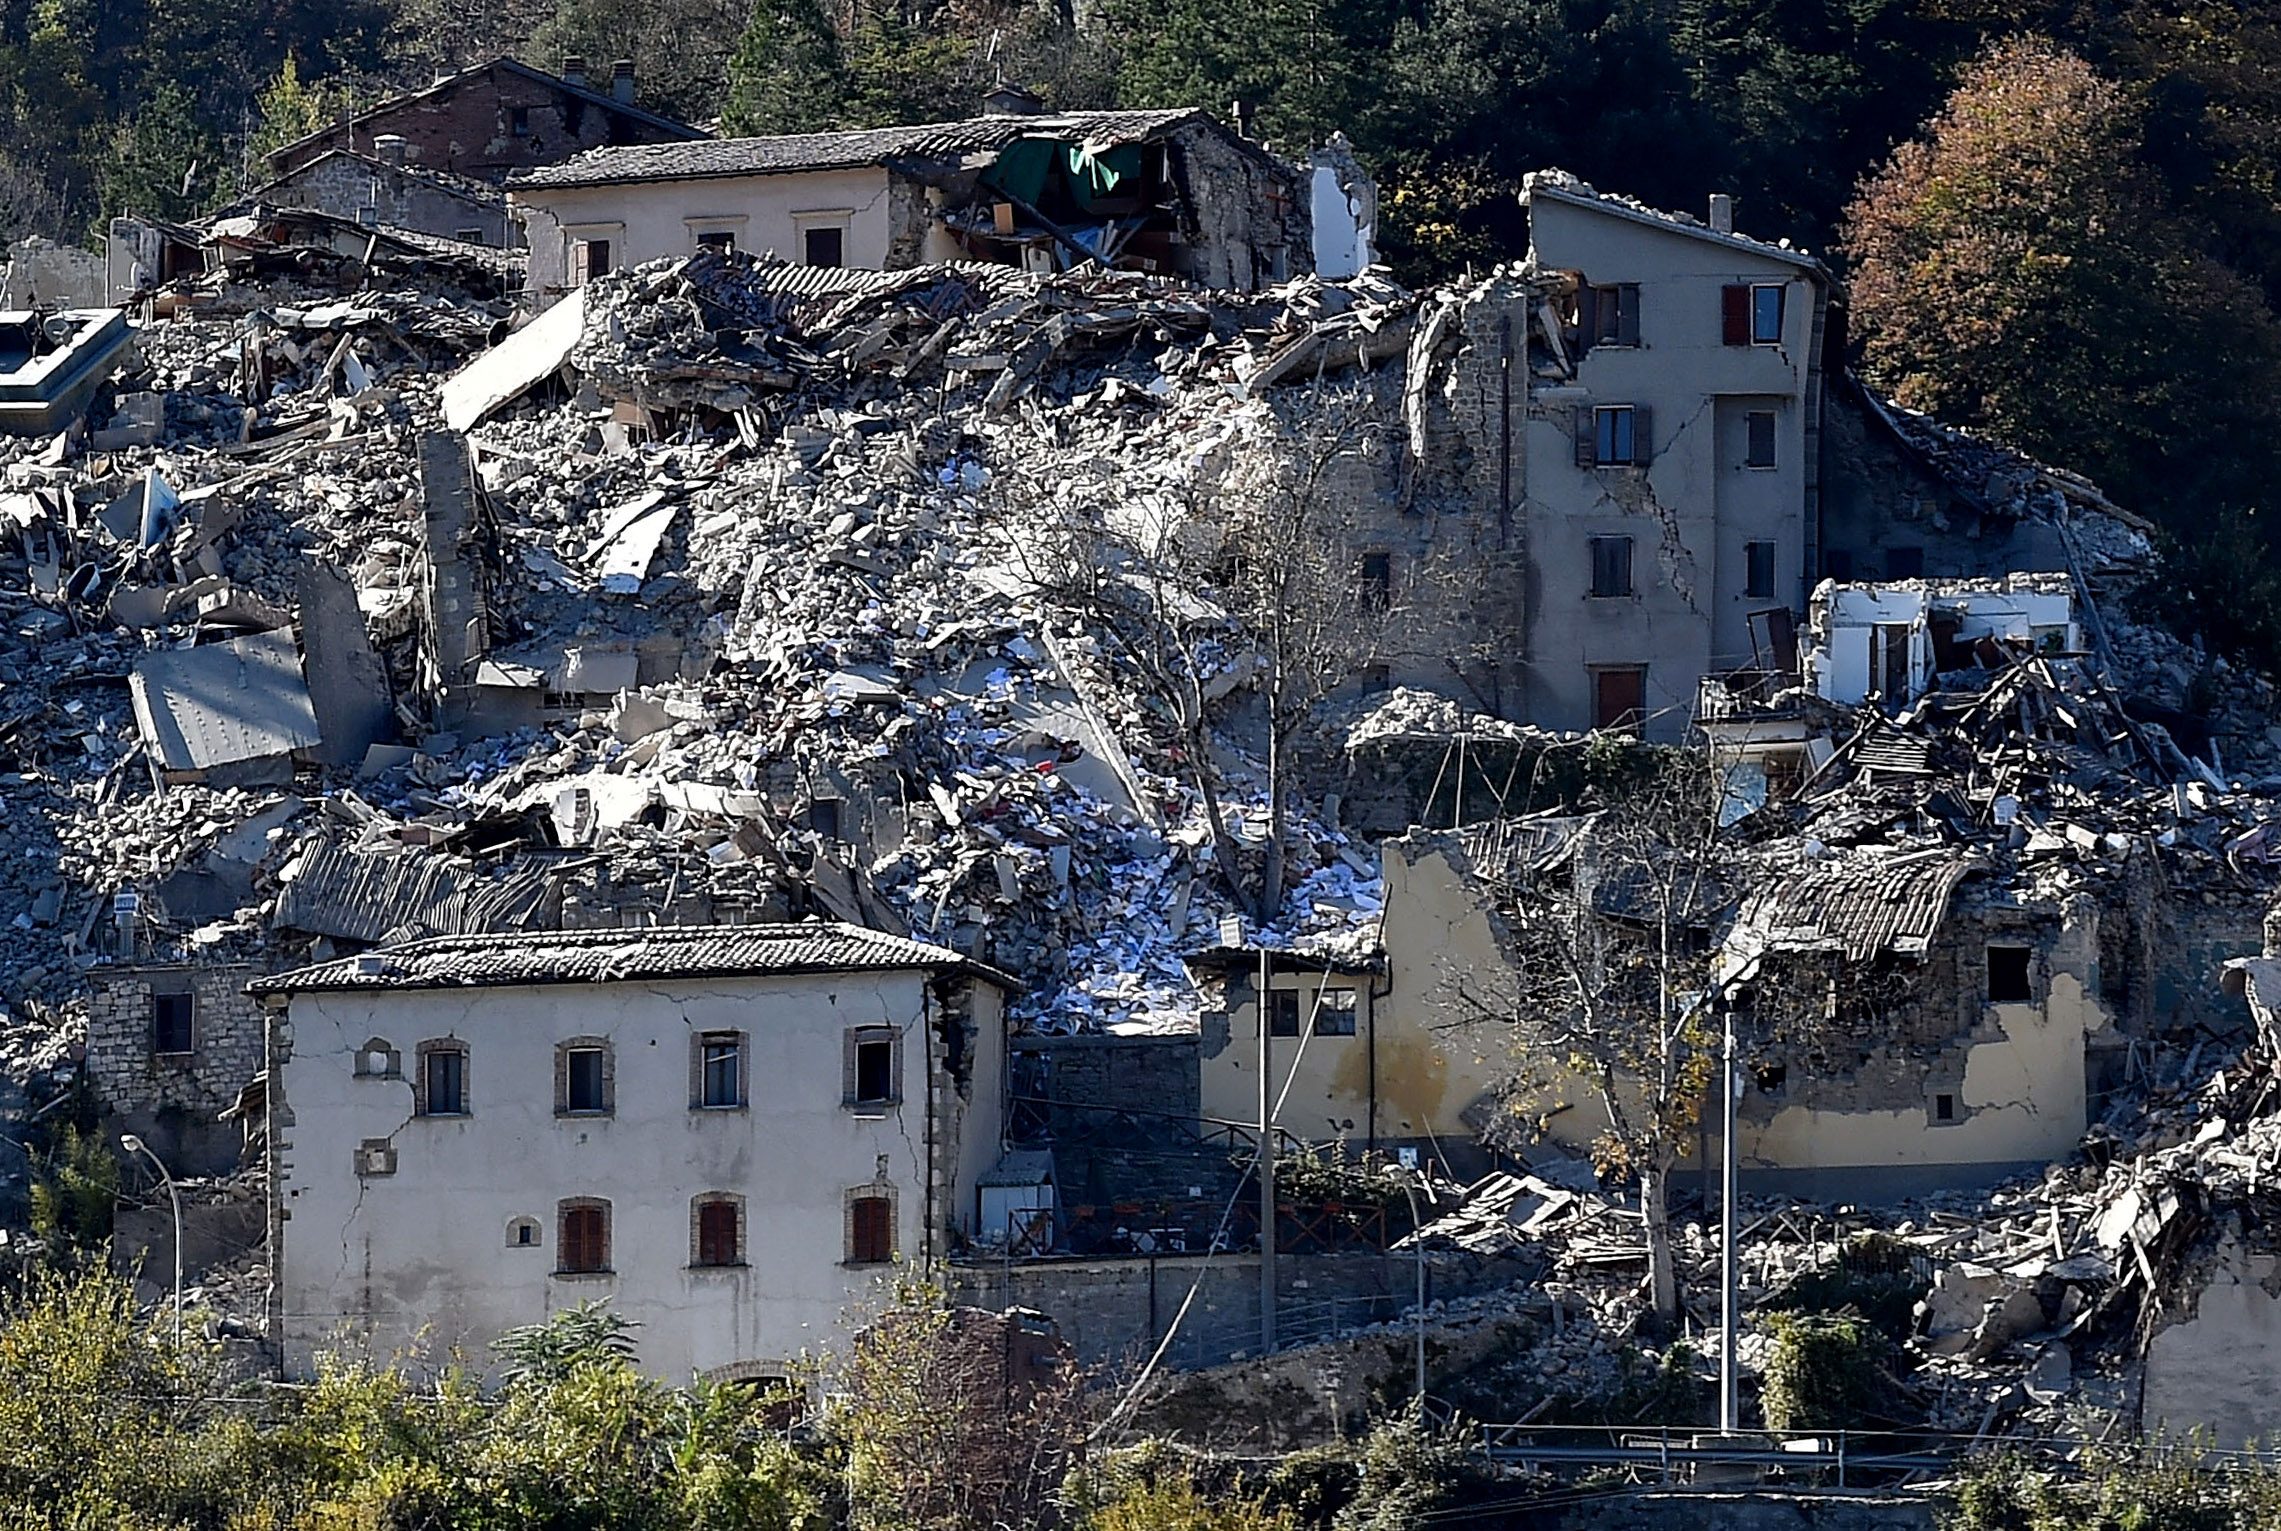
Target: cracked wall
x=421 y=1260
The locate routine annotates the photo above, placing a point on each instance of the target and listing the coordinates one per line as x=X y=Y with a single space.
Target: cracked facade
x=447 y=1174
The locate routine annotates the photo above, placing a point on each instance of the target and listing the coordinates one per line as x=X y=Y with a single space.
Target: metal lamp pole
x=135 y=1145
x=1730 y=1405
x=1418 y=1248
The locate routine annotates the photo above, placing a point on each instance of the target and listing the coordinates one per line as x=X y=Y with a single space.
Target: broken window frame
x=2018 y=964
x=173 y=1018
x=1758 y=453
x=1608 y=315
x=1759 y=563
x=1612 y=568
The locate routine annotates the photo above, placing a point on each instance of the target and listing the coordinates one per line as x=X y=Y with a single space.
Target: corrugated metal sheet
x=358 y=897
x=226 y=702
x=628 y=956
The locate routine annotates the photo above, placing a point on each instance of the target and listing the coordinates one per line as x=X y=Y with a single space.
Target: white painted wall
x=1691 y=512
x=418 y=1262
x=1344 y=230
x=1841 y=669
x=659 y=218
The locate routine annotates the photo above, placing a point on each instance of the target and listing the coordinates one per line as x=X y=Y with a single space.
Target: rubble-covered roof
x=793 y=152
x=543 y=958
x=1862 y=905
x=1580 y=193
x=467 y=188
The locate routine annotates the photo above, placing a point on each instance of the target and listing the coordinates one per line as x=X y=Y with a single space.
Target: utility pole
x=1730 y=1412
x=1266 y=1158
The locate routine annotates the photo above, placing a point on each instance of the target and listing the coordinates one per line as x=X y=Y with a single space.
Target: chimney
x=1722 y=212
x=1240 y=112
x=391 y=148
x=574 y=69
x=622 y=82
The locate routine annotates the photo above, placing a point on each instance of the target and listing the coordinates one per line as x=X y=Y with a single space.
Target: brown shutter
x=1587 y=443
x=717 y=1233
x=1627 y=314
x=874 y=1235
x=1587 y=317
x=1734 y=314
x=1643 y=435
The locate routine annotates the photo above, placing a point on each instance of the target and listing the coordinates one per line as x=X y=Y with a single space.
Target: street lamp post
x=135 y=1145
x=1418 y=1248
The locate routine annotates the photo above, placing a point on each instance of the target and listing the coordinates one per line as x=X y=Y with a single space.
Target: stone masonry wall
x=174 y=1100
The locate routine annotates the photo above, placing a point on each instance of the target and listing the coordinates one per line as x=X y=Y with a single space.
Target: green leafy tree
x=163 y=161
x=289 y=110
x=680 y=48
x=787 y=74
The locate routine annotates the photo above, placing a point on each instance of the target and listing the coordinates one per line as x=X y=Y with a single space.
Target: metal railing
x=1675 y=1451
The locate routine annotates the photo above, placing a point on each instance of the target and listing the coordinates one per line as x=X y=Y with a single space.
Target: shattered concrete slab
x=241 y=704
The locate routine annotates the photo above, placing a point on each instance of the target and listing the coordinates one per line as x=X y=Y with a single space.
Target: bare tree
x=1610 y=919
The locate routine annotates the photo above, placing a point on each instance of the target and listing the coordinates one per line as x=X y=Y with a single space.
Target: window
x=1613 y=441
x=443 y=1079
x=522 y=1233
x=1284 y=1017
x=589 y=258
x=1904 y=563
x=717 y=1229
x=469 y=236
x=1609 y=316
x=377 y=1060
x=1773 y=1079
x=1611 y=566
x=719 y=1059
x=719 y=241
x=584 y=1081
x=1889 y=659
x=1944 y=1108
x=1759 y=451
x=1334 y=1013
x=1750 y=313
x=870 y=1229
x=1374 y=582
x=173 y=1026
x=872 y=1075
x=1766 y=314
x=519 y=121
x=823 y=244
x=1619 y=696
x=824 y=816
x=2011 y=976
x=583 y=1246
x=1758 y=569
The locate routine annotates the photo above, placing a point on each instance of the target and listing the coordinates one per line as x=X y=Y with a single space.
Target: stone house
x=491 y=119
x=728 y=1132
x=1173 y=192
x=388 y=190
x=169 y=1049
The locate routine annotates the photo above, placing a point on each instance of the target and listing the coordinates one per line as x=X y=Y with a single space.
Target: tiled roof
x=542 y=958
x=842 y=151
x=1861 y=906
x=1564 y=187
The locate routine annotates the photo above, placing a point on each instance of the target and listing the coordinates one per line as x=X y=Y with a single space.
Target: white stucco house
x=1169 y=191
x=729 y=1133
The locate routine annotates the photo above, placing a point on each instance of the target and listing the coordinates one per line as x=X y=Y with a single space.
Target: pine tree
x=787 y=75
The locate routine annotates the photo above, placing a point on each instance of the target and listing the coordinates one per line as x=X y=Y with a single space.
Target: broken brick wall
x=472 y=128
x=1246 y=222
x=347 y=187
x=173 y=1099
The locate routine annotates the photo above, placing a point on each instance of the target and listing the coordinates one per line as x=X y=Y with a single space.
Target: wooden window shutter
x=1587 y=442
x=1734 y=314
x=1643 y=435
x=1627 y=314
x=874 y=1231
x=1587 y=317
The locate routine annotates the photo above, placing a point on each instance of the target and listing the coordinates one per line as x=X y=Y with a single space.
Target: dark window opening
x=1837 y=564
x=584 y=1248
x=1759 y=450
x=1904 y=563
x=871 y=1231
x=719 y=241
x=717 y=1234
x=824 y=246
x=590 y=259
x=1334 y=1013
x=1374 y=581
x=824 y=816
x=582 y=1080
x=874 y=1071
x=526 y=1233
x=1609 y=315
x=2011 y=979
x=470 y=236
x=1944 y=1108
x=1284 y=1016
x=1773 y=1079
x=519 y=121
x=445 y=1075
x=720 y=1071
x=1758 y=569
x=1611 y=566
x=173 y=1023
